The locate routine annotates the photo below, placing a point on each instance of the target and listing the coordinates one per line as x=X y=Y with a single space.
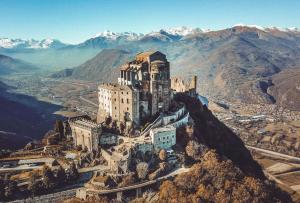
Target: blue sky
x=74 y=21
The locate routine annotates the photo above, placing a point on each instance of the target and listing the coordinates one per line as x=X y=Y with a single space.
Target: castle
x=143 y=90
x=142 y=95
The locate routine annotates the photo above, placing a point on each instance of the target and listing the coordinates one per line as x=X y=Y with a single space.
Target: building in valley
x=85 y=133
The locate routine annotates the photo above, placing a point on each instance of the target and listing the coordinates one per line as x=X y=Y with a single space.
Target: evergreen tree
x=48 y=178
x=11 y=188
x=2 y=188
x=60 y=176
x=59 y=127
x=73 y=172
x=34 y=186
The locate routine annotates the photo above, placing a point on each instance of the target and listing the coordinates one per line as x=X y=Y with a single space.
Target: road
x=139 y=185
x=88 y=101
x=20 y=168
x=275 y=154
x=95 y=168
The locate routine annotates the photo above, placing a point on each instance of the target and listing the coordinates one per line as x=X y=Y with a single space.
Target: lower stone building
x=120 y=102
x=118 y=160
x=163 y=137
x=85 y=133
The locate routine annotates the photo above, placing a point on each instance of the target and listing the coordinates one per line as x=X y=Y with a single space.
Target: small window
x=127 y=109
x=122 y=101
x=127 y=101
x=127 y=92
x=115 y=107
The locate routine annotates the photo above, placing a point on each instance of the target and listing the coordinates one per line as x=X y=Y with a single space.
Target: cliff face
x=223 y=170
x=209 y=131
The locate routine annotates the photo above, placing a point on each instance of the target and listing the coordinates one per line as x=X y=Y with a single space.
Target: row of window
x=164 y=138
x=122 y=100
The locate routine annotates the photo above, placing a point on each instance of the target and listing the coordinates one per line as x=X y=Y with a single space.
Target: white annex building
x=163 y=137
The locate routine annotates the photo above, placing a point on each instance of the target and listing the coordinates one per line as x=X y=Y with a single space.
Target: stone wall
x=189 y=87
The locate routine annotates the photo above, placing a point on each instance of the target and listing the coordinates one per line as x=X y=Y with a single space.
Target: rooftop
x=114 y=86
x=166 y=128
x=84 y=122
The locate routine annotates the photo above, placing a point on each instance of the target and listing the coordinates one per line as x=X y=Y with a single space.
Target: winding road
x=274 y=154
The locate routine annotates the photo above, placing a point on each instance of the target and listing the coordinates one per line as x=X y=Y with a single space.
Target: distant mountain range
x=6 y=43
x=242 y=63
x=103 y=39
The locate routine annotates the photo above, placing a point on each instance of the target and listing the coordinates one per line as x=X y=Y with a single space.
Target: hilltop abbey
x=141 y=101
x=143 y=90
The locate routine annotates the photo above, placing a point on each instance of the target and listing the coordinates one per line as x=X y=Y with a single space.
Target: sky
x=74 y=21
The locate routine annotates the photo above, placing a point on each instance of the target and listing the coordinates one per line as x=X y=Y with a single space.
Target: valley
x=250 y=77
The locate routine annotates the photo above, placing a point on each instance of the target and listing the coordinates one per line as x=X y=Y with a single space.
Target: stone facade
x=120 y=102
x=178 y=85
x=118 y=161
x=85 y=132
x=150 y=72
x=163 y=137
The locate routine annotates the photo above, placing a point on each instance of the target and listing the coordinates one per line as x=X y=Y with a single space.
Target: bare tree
x=142 y=170
x=163 y=155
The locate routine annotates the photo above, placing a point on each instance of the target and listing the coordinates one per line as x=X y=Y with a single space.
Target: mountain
x=9 y=65
x=234 y=64
x=6 y=43
x=101 y=66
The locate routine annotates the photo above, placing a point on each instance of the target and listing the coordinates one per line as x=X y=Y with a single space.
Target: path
x=275 y=154
x=140 y=185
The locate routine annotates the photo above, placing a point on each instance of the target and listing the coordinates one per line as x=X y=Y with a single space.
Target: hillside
x=285 y=89
x=102 y=67
x=231 y=64
x=20 y=123
x=10 y=65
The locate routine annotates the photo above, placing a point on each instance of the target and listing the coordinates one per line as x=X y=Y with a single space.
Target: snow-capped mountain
x=271 y=28
x=117 y=35
x=30 y=44
x=183 y=31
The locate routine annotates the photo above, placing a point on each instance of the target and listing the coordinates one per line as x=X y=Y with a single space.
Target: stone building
x=163 y=137
x=118 y=160
x=143 y=90
x=85 y=132
x=150 y=72
x=120 y=102
x=178 y=85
